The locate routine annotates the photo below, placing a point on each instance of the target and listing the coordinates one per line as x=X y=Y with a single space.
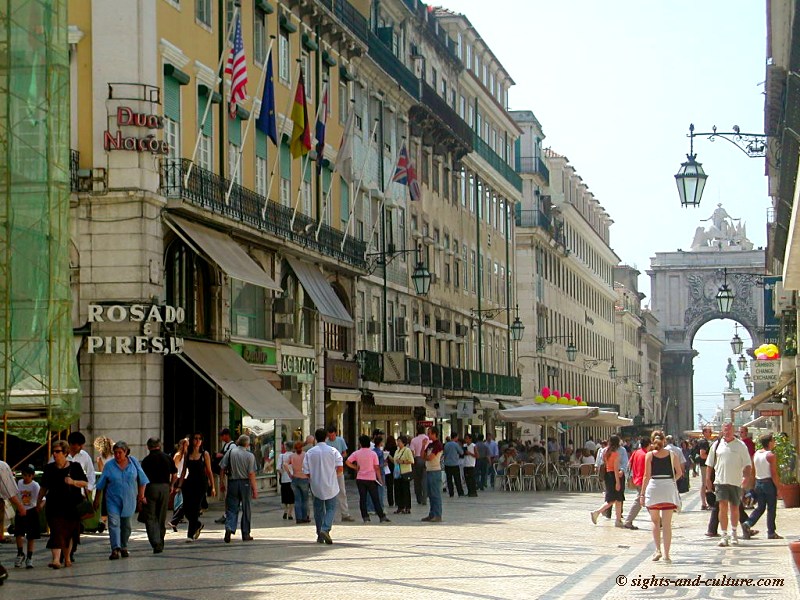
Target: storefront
x=342 y=397
x=297 y=366
x=392 y=413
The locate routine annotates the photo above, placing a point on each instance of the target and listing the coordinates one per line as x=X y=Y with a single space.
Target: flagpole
x=387 y=184
x=324 y=207
x=345 y=147
x=210 y=96
x=360 y=181
x=308 y=160
x=247 y=127
x=278 y=149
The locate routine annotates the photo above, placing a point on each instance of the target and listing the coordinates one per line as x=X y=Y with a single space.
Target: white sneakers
x=724 y=542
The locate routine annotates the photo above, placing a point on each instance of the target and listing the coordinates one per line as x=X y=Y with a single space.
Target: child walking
x=27 y=526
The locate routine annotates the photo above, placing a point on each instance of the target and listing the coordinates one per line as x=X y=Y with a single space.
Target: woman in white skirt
x=660 y=495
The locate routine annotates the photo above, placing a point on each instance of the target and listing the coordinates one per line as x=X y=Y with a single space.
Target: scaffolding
x=38 y=367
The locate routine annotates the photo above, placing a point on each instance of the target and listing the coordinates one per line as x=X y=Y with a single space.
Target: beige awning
x=408 y=400
x=339 y=395
x=764 y=396
x=325 y=299
x=222 y=250
x=489 y=403
x=238 y=380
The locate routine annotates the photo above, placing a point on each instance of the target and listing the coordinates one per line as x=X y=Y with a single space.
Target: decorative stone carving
x=724 y=233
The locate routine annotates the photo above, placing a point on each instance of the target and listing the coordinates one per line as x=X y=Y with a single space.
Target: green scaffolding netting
x=38 y=368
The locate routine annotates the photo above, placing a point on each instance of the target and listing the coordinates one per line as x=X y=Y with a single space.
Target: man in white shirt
x=336 y=441
x=8 y=491
x=323 y=464
x=730 y=465
x=590 y=445
x=470 y=458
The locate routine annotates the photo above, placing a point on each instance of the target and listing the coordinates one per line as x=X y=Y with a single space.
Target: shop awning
x=339 y=395
x=325 y=299
x=757 y=423
x=409 y=400
x=489 y=403
x=223 y=250
x=238 y=380
x=763 y=396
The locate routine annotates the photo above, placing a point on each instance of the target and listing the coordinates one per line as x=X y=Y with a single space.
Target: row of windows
x=587 y=254
x=586 y=339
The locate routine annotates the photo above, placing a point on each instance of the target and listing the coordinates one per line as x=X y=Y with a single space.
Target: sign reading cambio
x=147 y=342
x=765 y=371
x=126 y=117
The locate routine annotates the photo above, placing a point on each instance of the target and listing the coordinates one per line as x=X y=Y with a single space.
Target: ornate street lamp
x=572 y=351
x=612 y=372
x=517 y=328
x=736 y=342
x=742 y=362
x=422 y=279
x=691 y=180
x=725 y=297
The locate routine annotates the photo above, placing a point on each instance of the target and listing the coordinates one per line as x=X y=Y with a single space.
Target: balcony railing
x=382 y=54
x=349 y=15
x=74 y=165
x=439 y=107
x=206 y=189
x=497 y=163
x=535 y=166
x=536 y=218
x=428 y=374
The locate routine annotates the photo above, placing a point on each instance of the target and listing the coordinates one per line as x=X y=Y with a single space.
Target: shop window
x=250 y=316
x=189 y=283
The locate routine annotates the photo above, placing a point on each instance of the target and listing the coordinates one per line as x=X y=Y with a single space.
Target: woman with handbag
x=61 y=489
x=124 y=482
x=659 y=491
x=403 y=465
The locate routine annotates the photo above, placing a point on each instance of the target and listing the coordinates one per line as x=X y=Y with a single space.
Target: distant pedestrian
x=323 y=464
x=453 y=452
x=195 y=479
x=494 y=456
x=405 y=459
x=103 y=445
x=161 y=471
x=27 y=525
x=368 y=477
x=285 y=473
x=418 y=444
x=662 y=469
x=123 y=482
x=9 y=491
x=637 y=464
x=470 y=460
x=338 y=442
x=703 y=448
x=433 y=474
x=178 y=459
x=482 y=463
x=300 y=487
x=766 y=488
x=614 y=481
x=389 y=449
x=240 y=465
x=226 y=445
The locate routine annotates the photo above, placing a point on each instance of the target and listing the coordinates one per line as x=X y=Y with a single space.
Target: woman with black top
x=660 y=493
x=194 y=480
x=61 y=488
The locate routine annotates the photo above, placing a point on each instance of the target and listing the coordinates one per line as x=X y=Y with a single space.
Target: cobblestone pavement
x=500 y=545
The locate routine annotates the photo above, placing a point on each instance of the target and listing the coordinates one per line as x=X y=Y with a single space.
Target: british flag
x=237 y=69
x=406 y=174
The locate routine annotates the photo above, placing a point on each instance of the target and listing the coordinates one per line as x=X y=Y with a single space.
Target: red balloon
x=567 y=396
x=556 y=393
x=545 y=391
x=578 y=398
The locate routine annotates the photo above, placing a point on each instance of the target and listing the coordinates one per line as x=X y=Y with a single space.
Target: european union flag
x=266 y=119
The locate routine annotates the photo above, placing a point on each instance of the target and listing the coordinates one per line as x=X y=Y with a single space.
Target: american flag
x=237 y=69
x=406 y=174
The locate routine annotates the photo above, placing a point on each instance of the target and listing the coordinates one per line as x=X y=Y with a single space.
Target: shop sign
x=765 y=371
x=341 y=374
x=126 y=117
x=770 y=413
x=465 y=409
x=298 y=365
x=147 y=342
x=425 y=423
x=256 y=355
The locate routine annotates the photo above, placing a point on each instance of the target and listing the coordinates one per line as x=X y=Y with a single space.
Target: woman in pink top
x=299 y=484
x=365 y=462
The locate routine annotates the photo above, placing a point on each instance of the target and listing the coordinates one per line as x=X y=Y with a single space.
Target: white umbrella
x=610 y=419
x=544 y=414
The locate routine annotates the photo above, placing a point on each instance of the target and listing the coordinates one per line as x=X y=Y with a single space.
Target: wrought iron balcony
x=349 y=16
x=498 y=164
x=74 y=165
x=386 y=60
x=537 y=218
x=439 y=125
x=533 y=165
x=428 y=374
x=206 y=189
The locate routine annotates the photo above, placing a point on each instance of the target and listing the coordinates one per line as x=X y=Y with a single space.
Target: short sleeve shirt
x=729 y=460
x=338 y=443
x=366 y=460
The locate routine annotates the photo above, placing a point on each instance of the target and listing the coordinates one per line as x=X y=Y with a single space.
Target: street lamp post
x=544 y=340
x=516 y=329
x=591 y=363
x=691 y=178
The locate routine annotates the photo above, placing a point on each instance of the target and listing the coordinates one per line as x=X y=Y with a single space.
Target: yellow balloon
x=539 y=399
x=551 y=399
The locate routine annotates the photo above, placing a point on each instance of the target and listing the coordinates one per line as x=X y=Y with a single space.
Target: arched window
x=189 y=281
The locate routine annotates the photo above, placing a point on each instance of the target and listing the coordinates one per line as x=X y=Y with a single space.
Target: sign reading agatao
x=146 y=343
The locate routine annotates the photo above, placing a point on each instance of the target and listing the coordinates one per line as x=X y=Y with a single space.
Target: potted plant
x=786 y=457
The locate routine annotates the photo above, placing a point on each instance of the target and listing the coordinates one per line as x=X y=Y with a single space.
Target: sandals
x=54 y=565
x=656 y=556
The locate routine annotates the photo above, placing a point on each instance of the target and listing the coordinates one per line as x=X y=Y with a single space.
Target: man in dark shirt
x=482 y=465
x=161 y=471
x=703 y=447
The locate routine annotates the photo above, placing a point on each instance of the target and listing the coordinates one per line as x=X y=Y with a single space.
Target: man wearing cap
x=241 y=487
x=8 y=491
x=161 y=471
x=227 y=444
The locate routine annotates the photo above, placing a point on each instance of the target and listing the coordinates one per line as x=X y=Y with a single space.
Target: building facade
x=220 y=280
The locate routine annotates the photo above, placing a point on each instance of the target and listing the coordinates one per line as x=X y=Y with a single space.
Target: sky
x=615 y=85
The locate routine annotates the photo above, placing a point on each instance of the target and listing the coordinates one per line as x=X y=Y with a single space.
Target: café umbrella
x=548 y=414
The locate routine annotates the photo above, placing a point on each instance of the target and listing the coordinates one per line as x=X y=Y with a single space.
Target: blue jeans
x=767 y=497
x=434 y=483
x=324 y=511
x=301 y=494
x=483 y=472
x=119 y=530
x=238 y=495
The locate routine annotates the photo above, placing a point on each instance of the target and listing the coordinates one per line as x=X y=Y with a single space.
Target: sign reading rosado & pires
x=147 y=342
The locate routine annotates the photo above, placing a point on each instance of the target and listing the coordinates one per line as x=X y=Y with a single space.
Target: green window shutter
x=344 y=201
x=208 y=126
x=235 y=131
x=309 y=167
x=261 y=144
x=172 y=99
x=326 y=179
x=286 y=161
